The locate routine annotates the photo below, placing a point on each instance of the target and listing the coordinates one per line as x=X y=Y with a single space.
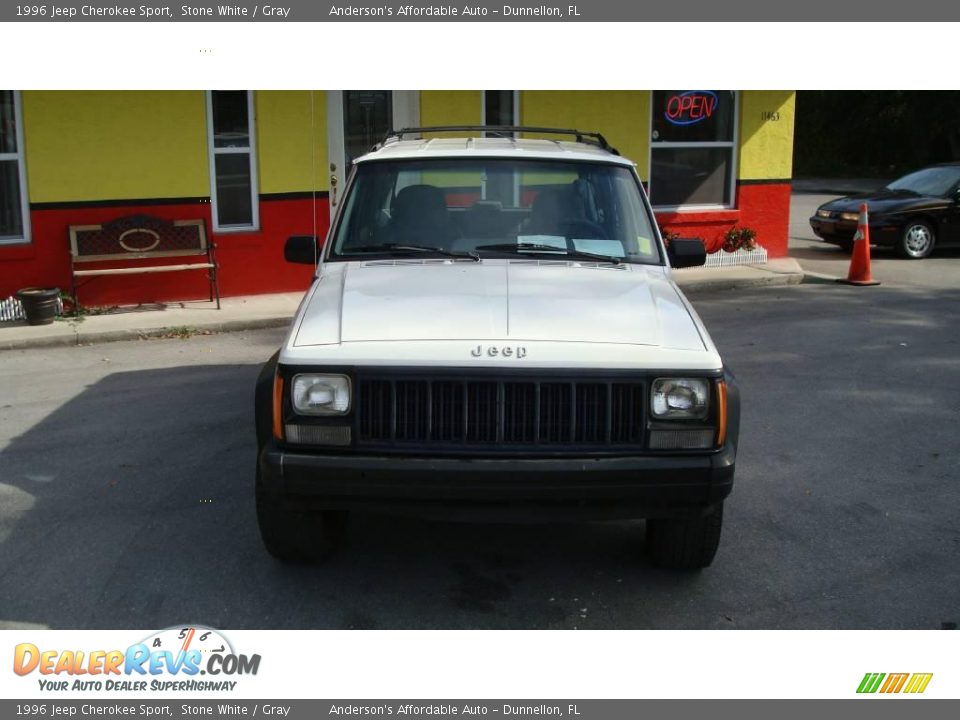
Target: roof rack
x=588 y=138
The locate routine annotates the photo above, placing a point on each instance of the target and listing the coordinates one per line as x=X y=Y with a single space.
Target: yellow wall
x=766 y=145
x=292 y=140
x=110 y=145
x=621 y=116
x=450 y=107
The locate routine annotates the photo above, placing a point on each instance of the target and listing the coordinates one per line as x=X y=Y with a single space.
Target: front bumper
x=518 y=488
x=834 y=230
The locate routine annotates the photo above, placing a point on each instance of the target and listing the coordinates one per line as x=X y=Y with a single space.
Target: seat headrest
x=418 y=200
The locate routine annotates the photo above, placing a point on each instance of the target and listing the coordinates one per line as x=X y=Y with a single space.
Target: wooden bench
x=128 y=241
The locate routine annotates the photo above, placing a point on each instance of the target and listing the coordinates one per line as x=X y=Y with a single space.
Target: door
x=357 y=120
x=948 y=234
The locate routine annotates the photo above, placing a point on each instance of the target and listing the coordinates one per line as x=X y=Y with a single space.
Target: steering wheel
x=582 y=229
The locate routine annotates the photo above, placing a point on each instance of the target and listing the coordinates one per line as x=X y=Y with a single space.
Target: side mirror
x=301 y=249
x=686 y=252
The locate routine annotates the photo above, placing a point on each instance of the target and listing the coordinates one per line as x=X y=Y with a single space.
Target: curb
x=815 y=278
x=789 y=273
x=105 y=336
x=771 y=280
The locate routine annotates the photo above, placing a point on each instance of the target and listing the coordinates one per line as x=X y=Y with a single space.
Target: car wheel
x=846 y=246
x=916 y=240
x=685 y=544
x=297 y=535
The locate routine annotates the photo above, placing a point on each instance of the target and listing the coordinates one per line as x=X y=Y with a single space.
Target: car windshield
x=495 y=208
x=929 y=181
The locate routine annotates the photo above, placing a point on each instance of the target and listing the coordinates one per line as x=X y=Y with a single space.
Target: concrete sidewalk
x=261 y=311
x=167 y=320
x=778 y=272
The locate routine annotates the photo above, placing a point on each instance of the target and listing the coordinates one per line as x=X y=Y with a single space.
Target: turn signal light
x=277 y=406
x=721 y=413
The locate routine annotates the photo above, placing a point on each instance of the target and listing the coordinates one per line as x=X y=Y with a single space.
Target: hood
x=885 y=201
x=514 y=300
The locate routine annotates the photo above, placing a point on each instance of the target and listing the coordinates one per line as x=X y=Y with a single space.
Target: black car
x=913 y=214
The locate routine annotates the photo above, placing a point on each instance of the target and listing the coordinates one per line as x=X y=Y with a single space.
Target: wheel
x=916 y=240
x=846 y=246
x=296 y=535
x=685 y=544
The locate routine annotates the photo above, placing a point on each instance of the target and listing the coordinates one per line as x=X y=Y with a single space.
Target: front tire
x=296 y=535
x=685 y=544
x=916 y=240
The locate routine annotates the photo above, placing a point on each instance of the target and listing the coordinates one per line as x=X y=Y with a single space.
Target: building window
x=231 y=137
x=367 y=119
x=14 y=216
x=693 y=137
x=501 y=107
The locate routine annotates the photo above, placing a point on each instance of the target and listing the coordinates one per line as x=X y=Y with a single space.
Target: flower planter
x=40 y=305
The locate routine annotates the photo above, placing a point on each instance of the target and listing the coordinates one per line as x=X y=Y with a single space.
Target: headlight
x=679 y=398
x=321 y=394
x=824 y=213
x=850 y=216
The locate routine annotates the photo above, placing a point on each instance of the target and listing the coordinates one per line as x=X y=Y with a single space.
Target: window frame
x=734 y=144
x=20 y=157
x=251 y=151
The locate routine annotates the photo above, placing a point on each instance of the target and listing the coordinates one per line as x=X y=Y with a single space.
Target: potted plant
x=739 y=237
x=40 y=305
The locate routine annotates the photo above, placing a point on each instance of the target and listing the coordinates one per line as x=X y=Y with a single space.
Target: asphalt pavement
x=126 y=492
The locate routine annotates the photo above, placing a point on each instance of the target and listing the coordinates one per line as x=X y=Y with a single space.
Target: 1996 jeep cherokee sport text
x=493 y=331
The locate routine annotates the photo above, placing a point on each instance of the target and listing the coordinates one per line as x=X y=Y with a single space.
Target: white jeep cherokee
x=493 y=331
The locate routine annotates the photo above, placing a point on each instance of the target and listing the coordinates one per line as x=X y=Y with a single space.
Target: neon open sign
x=690 y=107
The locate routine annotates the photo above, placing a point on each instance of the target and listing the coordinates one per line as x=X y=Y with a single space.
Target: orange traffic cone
x=860 y=258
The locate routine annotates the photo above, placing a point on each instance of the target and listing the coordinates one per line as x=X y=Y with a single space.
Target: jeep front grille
x=499 y=412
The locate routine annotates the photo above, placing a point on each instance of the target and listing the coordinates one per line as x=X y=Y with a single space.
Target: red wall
x=252 y=263
x=763 y=206
x=249 y=262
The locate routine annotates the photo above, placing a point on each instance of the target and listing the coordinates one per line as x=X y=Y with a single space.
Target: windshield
x=495 y=208
x=930 y=181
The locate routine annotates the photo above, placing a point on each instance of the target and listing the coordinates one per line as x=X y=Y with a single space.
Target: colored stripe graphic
x=894 y=683
x=870 y=682
x=918 y=683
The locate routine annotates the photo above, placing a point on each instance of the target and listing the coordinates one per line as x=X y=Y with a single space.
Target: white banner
x=75 y=664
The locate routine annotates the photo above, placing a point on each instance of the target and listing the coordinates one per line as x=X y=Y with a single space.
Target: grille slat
x=509 y=412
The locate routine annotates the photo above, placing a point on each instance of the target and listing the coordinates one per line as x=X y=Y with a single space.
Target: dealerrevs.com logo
x=171 y=659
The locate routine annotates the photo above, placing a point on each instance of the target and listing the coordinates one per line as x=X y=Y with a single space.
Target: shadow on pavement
x=132 y=506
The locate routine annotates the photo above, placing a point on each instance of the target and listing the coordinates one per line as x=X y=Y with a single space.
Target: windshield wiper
x=403 y=248
x=538 y=248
